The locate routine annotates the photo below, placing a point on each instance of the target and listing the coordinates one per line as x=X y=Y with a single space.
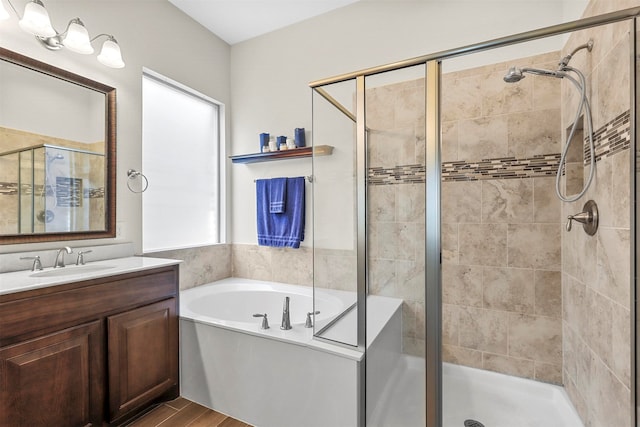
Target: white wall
x=270 y=73
x=151 y=33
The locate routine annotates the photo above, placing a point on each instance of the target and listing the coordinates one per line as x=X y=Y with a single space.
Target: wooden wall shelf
x=297 y=153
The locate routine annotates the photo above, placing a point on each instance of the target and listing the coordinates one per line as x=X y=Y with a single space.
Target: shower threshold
x=494 y=399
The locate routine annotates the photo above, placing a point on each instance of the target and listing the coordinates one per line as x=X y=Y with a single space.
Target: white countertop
x=26 y=280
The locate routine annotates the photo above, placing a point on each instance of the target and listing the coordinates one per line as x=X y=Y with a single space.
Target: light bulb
x=110 y=54
x=36 y=20
x=77 y=38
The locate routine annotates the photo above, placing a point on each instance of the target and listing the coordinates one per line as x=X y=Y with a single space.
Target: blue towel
x=277 y=188
x=281 y=229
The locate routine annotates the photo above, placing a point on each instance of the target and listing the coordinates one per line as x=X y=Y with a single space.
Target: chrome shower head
x=514 y=75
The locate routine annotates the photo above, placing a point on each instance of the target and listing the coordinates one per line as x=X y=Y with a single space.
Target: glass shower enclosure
x=49 y=189
x=437 y=219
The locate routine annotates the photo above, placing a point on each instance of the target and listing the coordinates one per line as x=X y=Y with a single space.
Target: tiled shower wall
x=596 y=269
x=501 y=226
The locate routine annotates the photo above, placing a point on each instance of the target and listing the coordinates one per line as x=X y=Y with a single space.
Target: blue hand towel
x=277 y=188
x=281 y=229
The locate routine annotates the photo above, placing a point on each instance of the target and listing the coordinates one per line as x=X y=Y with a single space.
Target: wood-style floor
x=182 y=413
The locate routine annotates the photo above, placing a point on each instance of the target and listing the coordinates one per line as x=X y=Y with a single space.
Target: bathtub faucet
x=286 y=321
x=265 y=322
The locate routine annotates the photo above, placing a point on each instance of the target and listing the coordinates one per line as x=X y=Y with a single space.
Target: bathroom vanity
x=89 y=350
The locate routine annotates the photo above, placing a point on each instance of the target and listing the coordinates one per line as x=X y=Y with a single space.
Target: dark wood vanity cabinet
x=89 y=353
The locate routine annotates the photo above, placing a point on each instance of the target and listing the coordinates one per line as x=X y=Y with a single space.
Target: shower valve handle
x=588 y=218
x=265 y=322
x=582 y=217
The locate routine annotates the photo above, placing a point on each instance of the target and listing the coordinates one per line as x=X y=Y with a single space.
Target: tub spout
x=286 y=320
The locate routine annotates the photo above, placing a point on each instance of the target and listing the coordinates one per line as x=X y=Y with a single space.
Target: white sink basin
x=71 y=270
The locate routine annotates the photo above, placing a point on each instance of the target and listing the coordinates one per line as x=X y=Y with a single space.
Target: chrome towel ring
x=133 y=174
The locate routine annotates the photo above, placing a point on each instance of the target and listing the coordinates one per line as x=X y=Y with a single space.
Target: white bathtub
x=274 y=377
x=232 y=303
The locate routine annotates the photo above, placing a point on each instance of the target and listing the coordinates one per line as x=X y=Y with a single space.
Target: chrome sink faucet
x=286 y=321
x=60 y=256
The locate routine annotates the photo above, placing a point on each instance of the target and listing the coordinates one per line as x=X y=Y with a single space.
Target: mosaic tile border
x=407 y=174
x=11 y=189
x=611 y=138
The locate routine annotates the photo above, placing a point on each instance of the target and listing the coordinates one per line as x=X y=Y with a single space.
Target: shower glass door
x=335 y=254
x=396 y=165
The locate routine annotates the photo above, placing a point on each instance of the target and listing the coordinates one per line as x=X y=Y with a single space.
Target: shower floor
x=495 y=400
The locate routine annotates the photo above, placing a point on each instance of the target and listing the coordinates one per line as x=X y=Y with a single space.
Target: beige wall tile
x=509 y=289
x=449 y=241
x=483 y=138
x=382 y=203
x=546 y=206
x=409 y=105
x=484 y=330
x=462 y=356
x=410 y=202
x=483 y=244
x=292 y=266
x=462 y=285
x=508 y=365
x=534 y=246
x=456 y=102
x=548 y=372
x=392 y=147
x=382 y=277
x=613 y=275
x=608 y=400
x=507 y=201
x=200 y=265
x=533 y=132
x=410 y=280
x=535 y=337
x=450 y=324
x=461 y=202
x=413 y=346
x=251 y=262
x=621 y=340
x=449 y=141
x=397 y=241
x=548 y=293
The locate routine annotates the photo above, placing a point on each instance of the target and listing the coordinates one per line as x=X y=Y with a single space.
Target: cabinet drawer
x=28 y=317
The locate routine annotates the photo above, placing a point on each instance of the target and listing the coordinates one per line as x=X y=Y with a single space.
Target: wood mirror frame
x=109 y=150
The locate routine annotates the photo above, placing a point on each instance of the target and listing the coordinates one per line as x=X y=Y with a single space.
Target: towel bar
x=309 y=178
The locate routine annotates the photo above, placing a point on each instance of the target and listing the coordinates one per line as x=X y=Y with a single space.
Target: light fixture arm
x=109 y=36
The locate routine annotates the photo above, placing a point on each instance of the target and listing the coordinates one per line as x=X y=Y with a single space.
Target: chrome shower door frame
x=433 y=294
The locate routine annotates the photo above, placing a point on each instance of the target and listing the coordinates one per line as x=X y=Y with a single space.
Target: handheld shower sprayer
x=515 y=74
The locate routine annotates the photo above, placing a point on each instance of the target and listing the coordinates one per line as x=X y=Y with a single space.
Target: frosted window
x=181 y=159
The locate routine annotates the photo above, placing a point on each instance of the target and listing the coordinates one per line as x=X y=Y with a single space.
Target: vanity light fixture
x=35 y=20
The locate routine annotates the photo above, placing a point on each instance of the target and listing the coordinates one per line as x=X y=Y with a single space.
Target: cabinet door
x=55 y=380
x=143 y=356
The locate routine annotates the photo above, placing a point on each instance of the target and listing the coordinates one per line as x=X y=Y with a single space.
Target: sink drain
x=472 y=423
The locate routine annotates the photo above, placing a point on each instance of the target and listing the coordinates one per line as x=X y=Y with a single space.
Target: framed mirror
x=57 y=153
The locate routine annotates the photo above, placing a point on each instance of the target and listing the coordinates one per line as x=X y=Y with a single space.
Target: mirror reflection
x=54 y=146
